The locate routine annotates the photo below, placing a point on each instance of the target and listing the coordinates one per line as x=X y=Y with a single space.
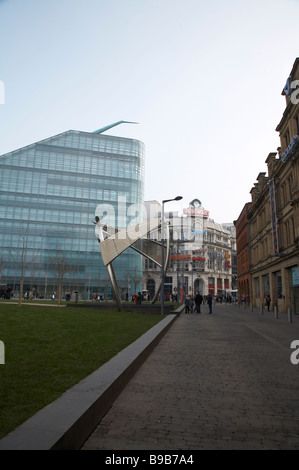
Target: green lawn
x=48 y=350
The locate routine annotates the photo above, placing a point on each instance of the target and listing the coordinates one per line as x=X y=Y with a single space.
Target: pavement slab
x=222 y=381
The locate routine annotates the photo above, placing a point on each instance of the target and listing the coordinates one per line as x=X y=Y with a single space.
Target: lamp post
x=45 y=294
x=178 y=198
x=192 y=286
x=89 y=286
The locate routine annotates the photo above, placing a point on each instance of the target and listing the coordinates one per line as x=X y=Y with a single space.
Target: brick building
x=243 y=254
x=273 y=217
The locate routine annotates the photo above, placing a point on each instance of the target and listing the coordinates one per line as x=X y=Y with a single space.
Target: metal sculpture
x=114 y=242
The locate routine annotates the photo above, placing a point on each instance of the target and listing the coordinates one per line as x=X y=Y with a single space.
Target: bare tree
x=61 y=267
x=20 y=254
x=135 y=277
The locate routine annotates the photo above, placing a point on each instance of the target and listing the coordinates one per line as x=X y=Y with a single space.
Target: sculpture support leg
x=167 y=247
x=114 y=285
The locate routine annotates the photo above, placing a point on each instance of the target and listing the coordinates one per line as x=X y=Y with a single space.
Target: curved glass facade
x=49 y=193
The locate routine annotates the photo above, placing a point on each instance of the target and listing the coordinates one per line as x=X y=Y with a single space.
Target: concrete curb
x=66 y=423
x=126 y=307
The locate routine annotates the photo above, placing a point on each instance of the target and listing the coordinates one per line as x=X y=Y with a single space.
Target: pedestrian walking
x=187 y=304
x=198 y=301
x=191 y=304
x=209 y=302
x=268 y=301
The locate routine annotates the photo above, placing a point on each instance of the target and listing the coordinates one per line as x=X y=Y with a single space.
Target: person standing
x=268 y=301
x=198 y=302
x=209 y=302
x=187 y=303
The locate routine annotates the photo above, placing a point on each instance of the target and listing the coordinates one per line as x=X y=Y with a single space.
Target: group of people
x=194 y=304
x=224 y=299
x=137 y=298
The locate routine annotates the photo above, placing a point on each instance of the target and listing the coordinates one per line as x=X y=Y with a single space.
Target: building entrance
x=294 y=289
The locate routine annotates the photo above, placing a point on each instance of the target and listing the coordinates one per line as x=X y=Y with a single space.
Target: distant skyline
x=203 y=80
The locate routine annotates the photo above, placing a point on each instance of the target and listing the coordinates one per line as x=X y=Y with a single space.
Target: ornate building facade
x=203 y=255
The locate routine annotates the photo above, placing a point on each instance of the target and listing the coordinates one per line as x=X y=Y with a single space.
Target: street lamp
x=178 y=198
x=192 y=285
x=45 y=294
x=89 y=286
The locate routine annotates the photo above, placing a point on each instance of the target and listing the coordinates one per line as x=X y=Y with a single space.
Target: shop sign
x=181 y=257
x=186 y=258
x=195 y=209
x=200 y=232
x=290 y=149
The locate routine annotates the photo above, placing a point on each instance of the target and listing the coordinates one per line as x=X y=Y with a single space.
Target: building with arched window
x=202 y=258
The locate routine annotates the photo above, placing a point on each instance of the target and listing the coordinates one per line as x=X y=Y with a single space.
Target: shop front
x=294 y=289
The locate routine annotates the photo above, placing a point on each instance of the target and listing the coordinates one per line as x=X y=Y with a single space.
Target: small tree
x=20 y=253
x=61 y=267
x=135 y=277
x=20 y=256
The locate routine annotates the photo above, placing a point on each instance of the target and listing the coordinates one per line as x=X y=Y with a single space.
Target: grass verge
x=48 y=350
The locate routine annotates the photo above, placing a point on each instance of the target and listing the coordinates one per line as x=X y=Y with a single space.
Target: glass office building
x=49 y=193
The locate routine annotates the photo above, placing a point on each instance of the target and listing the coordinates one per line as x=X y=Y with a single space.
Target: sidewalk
x=220 y=381
x=26 y=302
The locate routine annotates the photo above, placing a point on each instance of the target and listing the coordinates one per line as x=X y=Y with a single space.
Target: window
x=283 y=195
x=266 y=284
x=293 y=229
x=287 y=138
x=211 y=285
x=287 y=234
x=210 y=264
x=257 y=287
x=290 y=187
x=279 y=284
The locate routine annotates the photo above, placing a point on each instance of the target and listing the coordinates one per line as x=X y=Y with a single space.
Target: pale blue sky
x=202 y=79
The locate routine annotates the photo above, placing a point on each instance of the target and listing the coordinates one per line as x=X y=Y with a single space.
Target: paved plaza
x=220 y=381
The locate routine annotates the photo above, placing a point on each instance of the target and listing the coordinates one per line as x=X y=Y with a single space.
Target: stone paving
x=221 y=381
